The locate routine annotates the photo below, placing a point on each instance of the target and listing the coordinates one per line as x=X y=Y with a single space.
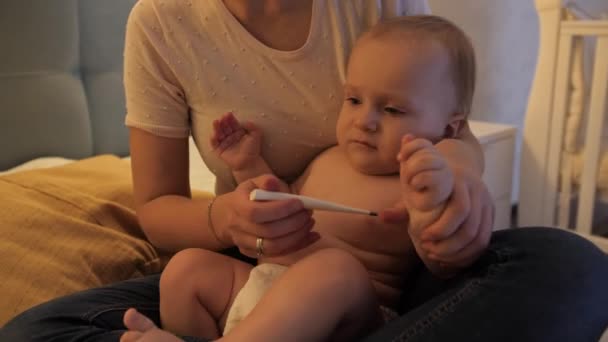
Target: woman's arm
x=464 y=229
x=171 y=219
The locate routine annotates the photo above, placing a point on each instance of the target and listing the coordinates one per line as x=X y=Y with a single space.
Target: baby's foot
x=141 y=328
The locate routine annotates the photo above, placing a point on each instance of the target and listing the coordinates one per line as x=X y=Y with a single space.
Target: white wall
x=505 y=36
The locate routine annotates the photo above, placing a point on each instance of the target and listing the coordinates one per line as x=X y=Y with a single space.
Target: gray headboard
x=61 y=91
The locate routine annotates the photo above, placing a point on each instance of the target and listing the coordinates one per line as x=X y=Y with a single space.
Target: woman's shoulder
x=152 y=12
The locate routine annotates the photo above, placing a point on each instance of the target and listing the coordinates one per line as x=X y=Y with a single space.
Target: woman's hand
x=284 y=226
x=464 y=229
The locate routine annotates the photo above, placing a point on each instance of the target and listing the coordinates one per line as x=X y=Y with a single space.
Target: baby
x=409 y=84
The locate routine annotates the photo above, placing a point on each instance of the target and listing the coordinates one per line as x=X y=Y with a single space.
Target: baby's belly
x=388 y=265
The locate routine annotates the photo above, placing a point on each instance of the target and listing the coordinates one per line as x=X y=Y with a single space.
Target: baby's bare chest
x=384 y=249
x=330 y=177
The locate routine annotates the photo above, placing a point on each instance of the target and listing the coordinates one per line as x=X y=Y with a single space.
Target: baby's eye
x=393 y=111
x=353 y=100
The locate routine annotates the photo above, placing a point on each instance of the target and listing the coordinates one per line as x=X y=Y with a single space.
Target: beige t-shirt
x=187 y=62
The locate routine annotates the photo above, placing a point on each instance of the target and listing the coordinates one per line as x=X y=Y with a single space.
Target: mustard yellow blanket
x=68 y=228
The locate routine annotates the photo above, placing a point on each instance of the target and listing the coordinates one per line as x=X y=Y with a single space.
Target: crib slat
x=597 y=108
x=565 y=193
x=556 y=133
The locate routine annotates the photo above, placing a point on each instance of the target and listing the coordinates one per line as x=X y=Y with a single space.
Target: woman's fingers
x=271 y=211
x=260 y=212
x=449 y=248
x=471 y=252
x=465 y=234
x=479 y=244
x=277 y=228
x=456 y=211
x=279 y=236
x=284 y=225
x=292 y=242
x=280 y=245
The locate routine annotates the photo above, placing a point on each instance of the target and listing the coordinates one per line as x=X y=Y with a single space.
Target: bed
x=72 y=226
x=67 y=220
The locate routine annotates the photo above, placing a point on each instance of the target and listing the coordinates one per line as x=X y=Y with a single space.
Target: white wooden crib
x=564 y=158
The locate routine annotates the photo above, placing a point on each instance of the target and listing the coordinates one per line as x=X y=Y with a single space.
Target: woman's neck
x=247 y=10
x=279 y=24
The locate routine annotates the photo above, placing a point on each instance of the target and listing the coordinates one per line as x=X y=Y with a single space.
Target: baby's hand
x=426 y=181
x=424 y=173
x=238 y=145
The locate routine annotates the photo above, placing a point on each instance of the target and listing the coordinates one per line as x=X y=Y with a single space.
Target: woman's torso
x=189 y=62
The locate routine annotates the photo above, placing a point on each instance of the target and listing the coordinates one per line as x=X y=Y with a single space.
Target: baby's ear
x=452 y=130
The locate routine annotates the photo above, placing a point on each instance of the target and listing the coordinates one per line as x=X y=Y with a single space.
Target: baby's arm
x=427 y=182
x=238 y=145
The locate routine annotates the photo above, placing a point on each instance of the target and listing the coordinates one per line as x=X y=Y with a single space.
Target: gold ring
x=259 y=246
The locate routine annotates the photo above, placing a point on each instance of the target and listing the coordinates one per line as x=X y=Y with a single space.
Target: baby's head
x=411 y=75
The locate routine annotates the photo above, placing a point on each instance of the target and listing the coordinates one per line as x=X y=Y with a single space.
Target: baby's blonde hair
x=451 y=37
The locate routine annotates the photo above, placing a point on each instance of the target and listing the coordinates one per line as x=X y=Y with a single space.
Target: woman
x=281 y=63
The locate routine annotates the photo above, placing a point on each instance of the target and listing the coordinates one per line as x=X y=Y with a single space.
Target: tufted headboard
x=61 y=91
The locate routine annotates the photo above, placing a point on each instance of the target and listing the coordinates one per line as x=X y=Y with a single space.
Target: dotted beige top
x=189 y=61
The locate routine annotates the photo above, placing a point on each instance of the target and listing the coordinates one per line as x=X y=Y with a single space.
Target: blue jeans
x=532 y=284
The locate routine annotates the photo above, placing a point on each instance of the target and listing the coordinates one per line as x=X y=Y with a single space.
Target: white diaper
x=260 y=280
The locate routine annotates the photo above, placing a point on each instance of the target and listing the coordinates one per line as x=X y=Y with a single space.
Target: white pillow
x=200 y=177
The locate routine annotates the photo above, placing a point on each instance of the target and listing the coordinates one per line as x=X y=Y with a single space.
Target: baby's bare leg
x=196 y=290
x=326 y=295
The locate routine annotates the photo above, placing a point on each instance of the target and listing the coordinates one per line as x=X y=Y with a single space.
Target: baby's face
x=392 y=89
